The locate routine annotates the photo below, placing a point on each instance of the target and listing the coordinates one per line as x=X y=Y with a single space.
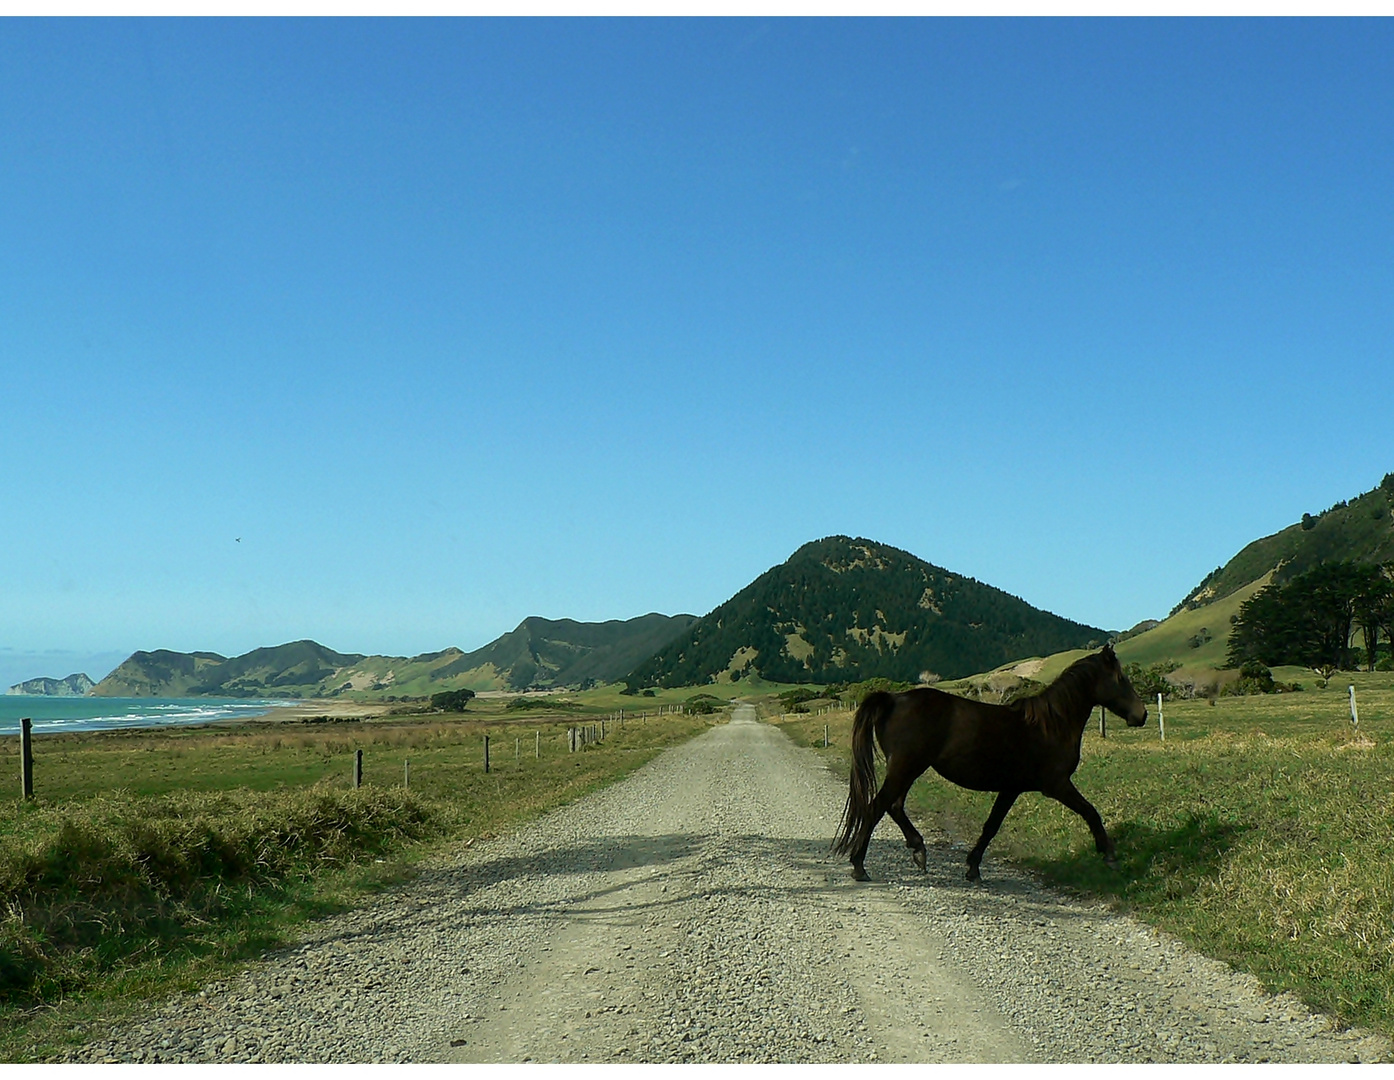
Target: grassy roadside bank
x=154 y=861
x=1259 y=832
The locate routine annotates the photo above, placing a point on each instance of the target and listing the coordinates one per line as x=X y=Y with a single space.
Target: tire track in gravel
x=692 y=913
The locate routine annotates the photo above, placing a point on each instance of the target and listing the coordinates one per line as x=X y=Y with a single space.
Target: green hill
x=1196 y=633
x=539 y=653
x=844 y=609
x=1361 y=529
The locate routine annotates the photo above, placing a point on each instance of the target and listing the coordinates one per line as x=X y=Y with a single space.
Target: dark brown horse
x=1030 y=745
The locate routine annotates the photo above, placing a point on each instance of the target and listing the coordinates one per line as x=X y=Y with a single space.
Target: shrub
x=518 y=704
x=85 y=888
x=858 y=691
x=1151 y=681
x=790 y=698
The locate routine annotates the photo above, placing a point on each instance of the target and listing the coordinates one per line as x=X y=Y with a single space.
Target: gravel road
x=692 y=913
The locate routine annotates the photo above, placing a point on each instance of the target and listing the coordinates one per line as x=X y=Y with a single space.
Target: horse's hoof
x=1110 y=862
x=918 y=856
x=858 y=874
x=972 y=874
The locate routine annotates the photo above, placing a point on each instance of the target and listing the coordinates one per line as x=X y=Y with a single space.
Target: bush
x=790 y=698
x=86 y=888
x=1151 y=681
x=1255 y=678
x=518 y=704
x=858 y=691
x=1023 y=689
x=1253 y=669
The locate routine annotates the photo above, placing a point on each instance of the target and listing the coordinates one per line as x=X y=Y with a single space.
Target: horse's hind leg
x=913 y=840
x=863 y=840
x=990 y=827
x=1068 y=794
x=891 y=798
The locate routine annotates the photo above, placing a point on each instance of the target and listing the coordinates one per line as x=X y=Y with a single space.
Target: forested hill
x=1359 y=530
x=843 y=609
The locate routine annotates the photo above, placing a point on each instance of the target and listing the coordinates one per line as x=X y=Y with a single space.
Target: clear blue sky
x=458 y=322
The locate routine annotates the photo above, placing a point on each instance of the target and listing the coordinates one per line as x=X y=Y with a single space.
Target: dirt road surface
x=692 y=913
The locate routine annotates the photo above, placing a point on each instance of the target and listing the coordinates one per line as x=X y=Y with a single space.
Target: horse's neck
x=1066 y=713
x=1072 y=709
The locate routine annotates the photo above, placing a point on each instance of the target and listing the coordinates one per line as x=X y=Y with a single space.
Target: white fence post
x=1354 y=716
x=1161 y=718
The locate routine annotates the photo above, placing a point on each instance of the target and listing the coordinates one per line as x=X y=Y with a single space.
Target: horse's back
x=972 y=743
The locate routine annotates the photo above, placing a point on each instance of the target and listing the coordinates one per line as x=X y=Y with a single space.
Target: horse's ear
x=1107 y=650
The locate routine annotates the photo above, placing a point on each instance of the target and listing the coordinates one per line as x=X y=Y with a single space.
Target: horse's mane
x=1066 y=699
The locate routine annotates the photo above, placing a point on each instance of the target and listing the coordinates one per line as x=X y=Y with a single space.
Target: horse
x=1031 y=744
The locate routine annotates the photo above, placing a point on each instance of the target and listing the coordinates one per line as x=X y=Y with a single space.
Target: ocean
x=52 y=714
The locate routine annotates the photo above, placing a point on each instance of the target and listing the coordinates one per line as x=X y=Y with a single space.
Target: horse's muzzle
x=1137 y=719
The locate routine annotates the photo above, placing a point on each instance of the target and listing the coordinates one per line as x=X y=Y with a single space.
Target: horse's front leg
x=1069 y=795
x=990 y=827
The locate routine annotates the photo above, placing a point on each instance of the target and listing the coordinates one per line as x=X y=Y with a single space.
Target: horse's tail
x=875 y=707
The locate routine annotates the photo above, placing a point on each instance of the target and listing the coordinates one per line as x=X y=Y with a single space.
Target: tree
x=451 y=700
x=1374 y=612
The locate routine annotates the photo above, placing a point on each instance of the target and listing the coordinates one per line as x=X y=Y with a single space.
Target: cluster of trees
x=1310 y=620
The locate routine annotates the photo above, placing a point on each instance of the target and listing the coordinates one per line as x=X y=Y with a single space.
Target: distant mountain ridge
x=75 y=685
x=539 y=653
x=845 y=609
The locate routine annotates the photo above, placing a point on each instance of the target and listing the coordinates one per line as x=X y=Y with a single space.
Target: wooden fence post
x=1161 y=717
x=358 y=768
x=825 y=736
x=538 y=753
x=1103 y=723
x=26 y=757
x=486 y=753
x=517 y=743
x=406 y=772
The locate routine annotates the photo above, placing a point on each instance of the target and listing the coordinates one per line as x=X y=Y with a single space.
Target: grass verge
x=221 y=842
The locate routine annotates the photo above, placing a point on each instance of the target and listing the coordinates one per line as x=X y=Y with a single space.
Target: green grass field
x=1260 y=832
x=153 y=861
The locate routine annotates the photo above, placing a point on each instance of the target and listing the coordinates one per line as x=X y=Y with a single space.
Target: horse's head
x=1116 y=693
